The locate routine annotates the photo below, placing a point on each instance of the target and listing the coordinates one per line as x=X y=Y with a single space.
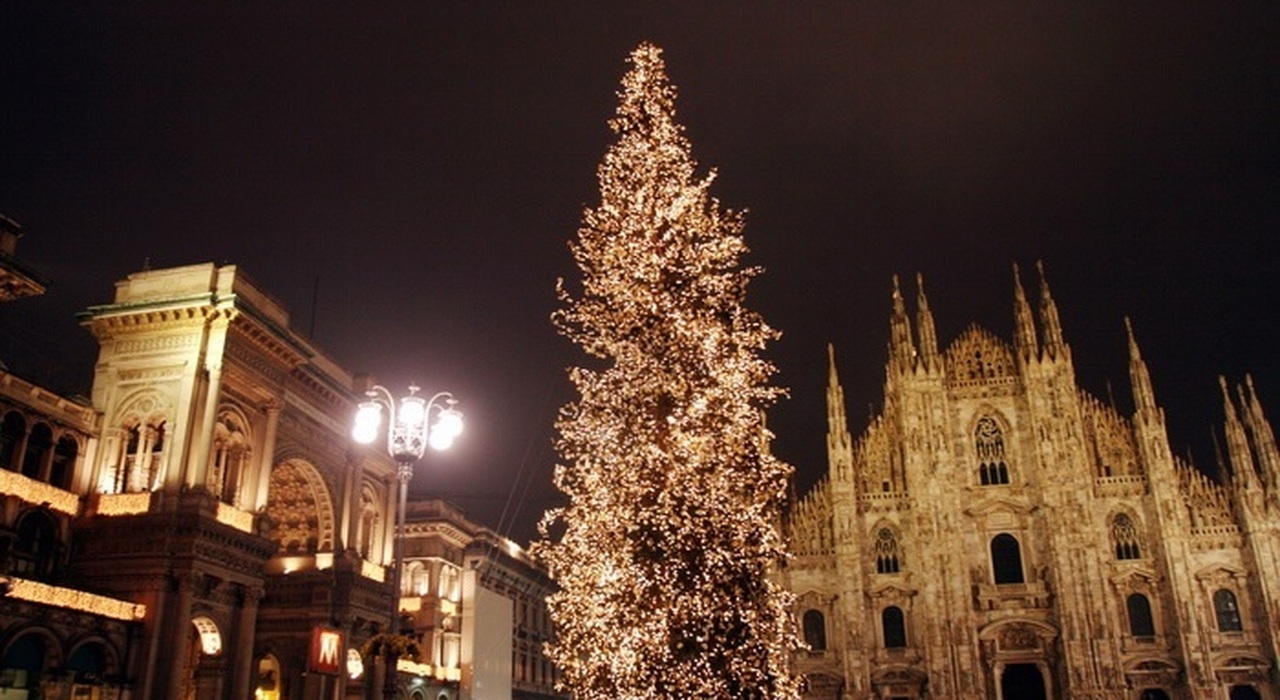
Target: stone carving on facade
x=1097 y=524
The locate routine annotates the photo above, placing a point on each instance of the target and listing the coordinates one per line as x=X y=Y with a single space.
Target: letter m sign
x=327 y=649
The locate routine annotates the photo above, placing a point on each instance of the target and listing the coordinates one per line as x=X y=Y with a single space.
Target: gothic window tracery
x=1124 y=537
x=993 y=468
x=1227 y=610
x=887 y=552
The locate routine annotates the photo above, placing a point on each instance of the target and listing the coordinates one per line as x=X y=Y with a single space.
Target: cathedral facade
x=997 y=532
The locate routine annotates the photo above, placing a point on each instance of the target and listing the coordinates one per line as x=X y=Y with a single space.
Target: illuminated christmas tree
x=667 y=543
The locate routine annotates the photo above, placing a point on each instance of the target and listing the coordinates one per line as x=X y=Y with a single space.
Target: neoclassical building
x=997 y=532
x=201 y=527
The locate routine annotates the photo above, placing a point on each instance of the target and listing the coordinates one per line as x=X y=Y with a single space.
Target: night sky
x=405 y=179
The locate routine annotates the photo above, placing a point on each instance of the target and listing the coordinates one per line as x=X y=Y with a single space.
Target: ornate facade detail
x=999 y=532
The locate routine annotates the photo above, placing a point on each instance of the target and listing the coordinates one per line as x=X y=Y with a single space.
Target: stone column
x=243 y=660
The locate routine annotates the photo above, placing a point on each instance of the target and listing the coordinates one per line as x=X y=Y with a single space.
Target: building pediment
x=986 y=505
x=1219 y=572
x=1132 y=574
x=898 y=676
x=1018 y=633
x=895 y=589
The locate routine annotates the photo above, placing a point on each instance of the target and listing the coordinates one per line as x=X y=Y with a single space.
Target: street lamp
x=410 y=431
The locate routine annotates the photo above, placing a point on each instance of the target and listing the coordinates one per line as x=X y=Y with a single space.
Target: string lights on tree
x=664 y=552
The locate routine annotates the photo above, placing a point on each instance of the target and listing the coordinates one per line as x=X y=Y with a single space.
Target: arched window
x=1228 y=612
x=230 y=457
x=815 y=630
x=886 y=552
x=87 y=666
x=1124 y=535
x=11 y=433
x=36 y=546
x=142 y=458
x=368 y=522
x=1141 y=624
x=1006 y=559
x=64 y=462
x=989 y=443
x=39 y=450
x=416 y=579
x=894 y=625
x=27 y=655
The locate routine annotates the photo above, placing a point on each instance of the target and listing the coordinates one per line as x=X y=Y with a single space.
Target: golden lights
x=36 y=592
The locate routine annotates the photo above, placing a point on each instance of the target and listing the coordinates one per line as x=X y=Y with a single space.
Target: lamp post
x=410 y=431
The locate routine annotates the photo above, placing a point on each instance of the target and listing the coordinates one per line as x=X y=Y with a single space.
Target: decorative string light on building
x=36 y=592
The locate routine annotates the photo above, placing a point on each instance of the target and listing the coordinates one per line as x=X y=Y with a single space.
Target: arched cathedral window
x=887 y=561
x=1006 y=559
x=989 y=442
x=815 y=630
x=1227 y=611
x=894 y=625
x=1124 y=535
x=1141 y=623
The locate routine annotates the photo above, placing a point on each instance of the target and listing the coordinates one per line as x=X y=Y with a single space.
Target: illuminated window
x=355 y=664
x=894 y=625
x=1006 y=559
x=1124 y=535
x=989 y=442
x=140 y=458
x=268 y=685
x=815 y=630
x=1227 y=611
x=230 y=457
x=210 y=638
x=1141 y=623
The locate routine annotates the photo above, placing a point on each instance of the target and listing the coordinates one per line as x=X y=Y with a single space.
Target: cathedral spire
x=924 y=326
x=1243 y=475
x=1144 y=397
x=1049 y=323
x=1264 y=438
x=839 y=441
x=1024 y=330
x=902 y=350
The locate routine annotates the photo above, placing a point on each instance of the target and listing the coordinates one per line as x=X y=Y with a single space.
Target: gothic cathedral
x=996 y=532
